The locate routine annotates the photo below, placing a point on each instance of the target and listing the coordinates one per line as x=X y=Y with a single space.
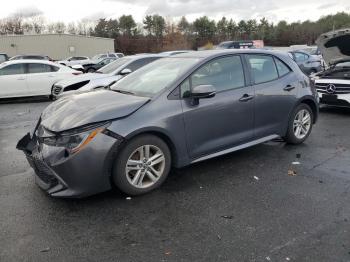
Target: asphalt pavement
x=240 y=207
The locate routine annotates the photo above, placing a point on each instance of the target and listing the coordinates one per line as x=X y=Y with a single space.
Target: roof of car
x=216 y=52
x=139 y=56
x=29 y=61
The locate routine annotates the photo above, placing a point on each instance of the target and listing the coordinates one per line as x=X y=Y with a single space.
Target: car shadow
x=335 y=110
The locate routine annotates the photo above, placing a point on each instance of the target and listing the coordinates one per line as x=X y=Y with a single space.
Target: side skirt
x=232 y=149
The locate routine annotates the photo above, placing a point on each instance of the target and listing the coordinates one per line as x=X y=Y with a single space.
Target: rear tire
x=91 y=70
x=142 y=165
x=300 y=124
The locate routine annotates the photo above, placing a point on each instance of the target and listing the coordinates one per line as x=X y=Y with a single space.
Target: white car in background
x=75 y=60
x=99 y=57
x=21 y=78
x=103 y=77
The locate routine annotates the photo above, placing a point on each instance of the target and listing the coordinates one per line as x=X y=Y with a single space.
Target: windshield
x=154 y=77
x=110 y=68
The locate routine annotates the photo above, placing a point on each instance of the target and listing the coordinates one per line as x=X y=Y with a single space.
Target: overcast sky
x=273 y=10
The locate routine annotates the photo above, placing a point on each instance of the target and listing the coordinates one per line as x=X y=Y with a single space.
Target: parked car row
x=22 y=78
x=163 y=111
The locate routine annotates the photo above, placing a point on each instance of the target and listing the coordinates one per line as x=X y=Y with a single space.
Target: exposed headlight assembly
x=76 y=139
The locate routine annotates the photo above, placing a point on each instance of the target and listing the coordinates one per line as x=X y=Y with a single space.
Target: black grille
x=42 y=170
x=340 y=88
x=76 y=86
x=56 y=90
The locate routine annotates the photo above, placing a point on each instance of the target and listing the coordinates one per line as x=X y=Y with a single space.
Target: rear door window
x=3 y=58
x=263 y=68
x=35 y=68
x=15 y=69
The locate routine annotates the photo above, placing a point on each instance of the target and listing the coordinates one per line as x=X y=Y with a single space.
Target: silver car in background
x=309 y=64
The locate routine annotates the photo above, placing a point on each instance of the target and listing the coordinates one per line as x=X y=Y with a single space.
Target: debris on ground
x=168 y=253
x=268 y=258
x=227 y=217
x=47 y=249
x=256 y=178
x=287 y=258
x=298 y=155
x=291 y=173
x=128 y=198
x=296 y=163
x=219 y=237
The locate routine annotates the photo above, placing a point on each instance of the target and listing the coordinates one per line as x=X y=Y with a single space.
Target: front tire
x=142 y=165
x=300 y=124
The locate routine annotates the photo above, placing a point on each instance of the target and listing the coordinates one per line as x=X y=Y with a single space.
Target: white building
x=56 y=46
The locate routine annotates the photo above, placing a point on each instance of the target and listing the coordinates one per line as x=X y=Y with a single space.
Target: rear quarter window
x=282 y=68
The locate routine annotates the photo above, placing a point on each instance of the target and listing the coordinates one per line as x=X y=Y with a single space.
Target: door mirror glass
x=125 y=71
x=203 y=91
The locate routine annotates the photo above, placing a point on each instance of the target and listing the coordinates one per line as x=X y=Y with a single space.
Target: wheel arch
x=162 y=135
x=312 y=104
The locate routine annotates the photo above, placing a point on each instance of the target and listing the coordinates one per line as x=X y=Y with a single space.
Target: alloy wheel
x=302 y=124
x=145 y=166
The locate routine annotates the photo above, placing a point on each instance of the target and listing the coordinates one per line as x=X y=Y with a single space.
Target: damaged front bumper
x=61 y=174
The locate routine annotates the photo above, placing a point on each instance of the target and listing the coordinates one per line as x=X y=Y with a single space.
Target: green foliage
x=127 y=24
x=154 y=25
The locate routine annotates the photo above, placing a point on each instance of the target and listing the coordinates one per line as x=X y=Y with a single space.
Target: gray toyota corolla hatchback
x=172 y=112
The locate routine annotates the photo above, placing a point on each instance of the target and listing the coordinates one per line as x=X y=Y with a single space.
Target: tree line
x=157 y=33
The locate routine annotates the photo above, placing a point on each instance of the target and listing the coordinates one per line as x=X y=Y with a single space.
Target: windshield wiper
x=123 y=92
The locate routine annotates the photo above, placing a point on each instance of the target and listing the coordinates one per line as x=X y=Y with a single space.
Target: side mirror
x=125 y=71
x=203 y=91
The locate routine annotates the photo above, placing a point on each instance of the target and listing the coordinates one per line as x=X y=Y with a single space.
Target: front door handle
x=246 y=98
x=288 y=88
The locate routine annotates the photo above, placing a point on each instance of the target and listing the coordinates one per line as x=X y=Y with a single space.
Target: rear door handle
x=288 y=88
x=246 y=98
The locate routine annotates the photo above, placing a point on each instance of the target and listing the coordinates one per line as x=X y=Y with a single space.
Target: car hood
x=335 y=46
x=80 y=78
x=87 y=108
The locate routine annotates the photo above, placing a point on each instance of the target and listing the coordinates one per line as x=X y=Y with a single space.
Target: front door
x=13 y=81
x=225 y=120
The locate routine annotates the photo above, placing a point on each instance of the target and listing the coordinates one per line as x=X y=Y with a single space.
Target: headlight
x=76 y=139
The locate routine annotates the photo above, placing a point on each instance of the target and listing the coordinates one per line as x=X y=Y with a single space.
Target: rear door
x=40 y=78
x=13 y=81
x=275 y=87
x=225 y=120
